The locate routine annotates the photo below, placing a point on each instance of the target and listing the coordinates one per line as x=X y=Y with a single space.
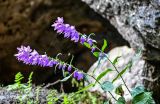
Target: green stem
x=115 y=69
x=101 y=85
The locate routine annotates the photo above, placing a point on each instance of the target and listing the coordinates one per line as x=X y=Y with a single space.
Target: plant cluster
x=32 y=57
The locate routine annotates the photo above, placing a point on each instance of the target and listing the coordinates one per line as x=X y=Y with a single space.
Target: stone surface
x=137 y=21
x=133 y=76
x=28 y=22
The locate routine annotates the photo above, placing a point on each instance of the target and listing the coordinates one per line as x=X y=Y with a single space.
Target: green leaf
x=121 y=100
x=106 y=102
x=123 y=71
x=107 y=86
x=137 y=90
x=96 y=54
x=143 y=98
x=119 y=90
x=30 y=79
x=116 y=60
x=18 y=78
x=85 y=88
x=87 y=45
x=104 y=45
x=103 y=74
x=65 y=100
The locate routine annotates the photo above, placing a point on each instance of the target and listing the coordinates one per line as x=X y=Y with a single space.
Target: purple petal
x=80 y=76
x=75 y=74
x=93 y=49
x=64 y=66
x=69 y=68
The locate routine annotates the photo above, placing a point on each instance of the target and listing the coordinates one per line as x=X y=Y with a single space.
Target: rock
x=133 y=76
x=138 y=22
x=28 y=22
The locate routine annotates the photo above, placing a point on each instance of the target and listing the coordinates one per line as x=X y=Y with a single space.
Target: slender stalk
x=115 y=69
x=101 y=85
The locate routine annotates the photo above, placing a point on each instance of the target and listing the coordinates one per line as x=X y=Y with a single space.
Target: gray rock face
x=132 y=77
x=137 y=21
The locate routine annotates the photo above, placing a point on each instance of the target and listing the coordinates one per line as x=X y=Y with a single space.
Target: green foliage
x=143 y=98
x=137 y=90
x=104 y=45
x=87 y=45
x=83 y=96
x=140 y=96
x=103 y=74
x=37 y=94
x=121 y=100
x=106 y=102
x=85 y=88
x=87 y=98
x=30 y=79
x=119 y=90
x=74 y=83
x=65 y=100
x=107 y=86
x=96 y=54
x=123 y=71
x=18 y=78
x=17 y=84
x=116 y=60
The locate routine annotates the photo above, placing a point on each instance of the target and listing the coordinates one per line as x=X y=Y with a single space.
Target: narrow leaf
x=103 y=74
x=85 y=88
x=116 y=60
x=104 y=45
x=96 y=54
x=107 y=86
x=122 y=72
x=87 y=45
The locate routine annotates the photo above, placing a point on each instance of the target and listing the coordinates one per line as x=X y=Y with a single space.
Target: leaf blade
x=104 y=45
x=107 y=86
x=96 y=54
x=116 y=60
x=85 y=88
x=103 y=74
x=122 y=72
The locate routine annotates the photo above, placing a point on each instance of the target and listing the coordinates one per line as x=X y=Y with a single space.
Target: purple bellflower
x=69 y=68
x=66 y=29
x=32 y=57
x=78 y=75
x=70 y=32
